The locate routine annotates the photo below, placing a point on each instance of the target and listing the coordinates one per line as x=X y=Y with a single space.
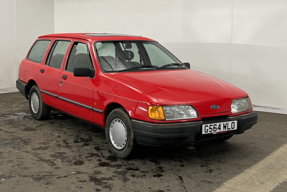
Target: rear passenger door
x=49 y=73
x=76 y=93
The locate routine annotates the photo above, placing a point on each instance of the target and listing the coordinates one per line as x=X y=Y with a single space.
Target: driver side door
x=76 y=93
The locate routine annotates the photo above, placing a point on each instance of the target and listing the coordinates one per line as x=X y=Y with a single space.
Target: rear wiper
x=171 y=64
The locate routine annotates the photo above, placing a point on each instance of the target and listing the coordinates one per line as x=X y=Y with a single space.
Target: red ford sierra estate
x=132 y=87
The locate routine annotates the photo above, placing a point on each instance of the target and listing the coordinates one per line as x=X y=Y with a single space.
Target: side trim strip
x=74 y=102
x=48 y=93
x=97 y=110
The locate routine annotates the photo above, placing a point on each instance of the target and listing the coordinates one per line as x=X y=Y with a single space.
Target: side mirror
x=187 y=64
x=84 y=72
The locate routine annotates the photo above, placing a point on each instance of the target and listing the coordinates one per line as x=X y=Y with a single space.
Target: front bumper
x=159 y=134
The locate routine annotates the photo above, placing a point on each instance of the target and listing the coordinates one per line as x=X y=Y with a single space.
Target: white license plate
x=219 y=127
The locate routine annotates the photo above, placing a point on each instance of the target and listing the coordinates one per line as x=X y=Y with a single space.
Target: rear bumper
x=21 y=86
x=156 y=134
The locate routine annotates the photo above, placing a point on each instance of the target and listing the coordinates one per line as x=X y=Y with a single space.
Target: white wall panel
x=164 y=20
x=34 y=18
x=8 y=42
x=259 y=53
x=211 y=58
x=21 y=22
x=205 y=21
x=261 y=71
x=157 y=19
x=125 y=16
x=260 y=22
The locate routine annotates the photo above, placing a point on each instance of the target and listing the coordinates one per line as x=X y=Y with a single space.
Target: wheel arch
x=110 y=107
x=29 y=85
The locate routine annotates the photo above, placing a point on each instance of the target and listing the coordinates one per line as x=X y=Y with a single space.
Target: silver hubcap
x=35 y=102
x=118 y=133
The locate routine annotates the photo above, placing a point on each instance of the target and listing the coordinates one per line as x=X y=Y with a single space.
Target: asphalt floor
x=66 y=154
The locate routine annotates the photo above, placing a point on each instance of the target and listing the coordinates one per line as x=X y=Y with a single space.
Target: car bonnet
x=183 y=86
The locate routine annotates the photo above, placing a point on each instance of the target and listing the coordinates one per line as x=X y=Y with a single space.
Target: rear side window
x=57 y=54
x=38 y=50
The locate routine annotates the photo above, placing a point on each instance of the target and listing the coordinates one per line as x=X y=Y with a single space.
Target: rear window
x=38 y=50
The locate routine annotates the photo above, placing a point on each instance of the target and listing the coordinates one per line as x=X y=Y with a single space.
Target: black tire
x=43 y=111
x=120 y=116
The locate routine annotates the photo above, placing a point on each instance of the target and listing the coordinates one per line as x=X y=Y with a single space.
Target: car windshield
x=123 y=56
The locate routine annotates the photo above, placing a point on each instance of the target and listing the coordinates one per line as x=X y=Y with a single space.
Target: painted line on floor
x=263 y=176
x=270 y=109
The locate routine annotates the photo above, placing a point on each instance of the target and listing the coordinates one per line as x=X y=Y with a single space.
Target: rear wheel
x=119 y=133
x=38 y=109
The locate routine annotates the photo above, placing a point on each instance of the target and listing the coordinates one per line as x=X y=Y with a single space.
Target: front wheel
x=119 y=133
x=39 y=110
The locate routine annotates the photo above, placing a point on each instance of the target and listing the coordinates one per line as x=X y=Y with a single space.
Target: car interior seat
x=56 y=61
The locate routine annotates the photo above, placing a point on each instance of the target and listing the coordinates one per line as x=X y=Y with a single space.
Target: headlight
x=240 y=105
x=172 y=112
x=175 y=112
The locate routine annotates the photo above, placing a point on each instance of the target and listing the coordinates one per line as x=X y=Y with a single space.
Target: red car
x=132 y=87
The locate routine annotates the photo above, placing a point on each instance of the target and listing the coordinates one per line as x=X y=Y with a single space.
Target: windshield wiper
x=128 y=69
x=137 y=67
x=148 y=66
x=171 y=64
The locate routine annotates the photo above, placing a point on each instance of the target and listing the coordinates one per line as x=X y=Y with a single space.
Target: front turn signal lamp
x=156 y=112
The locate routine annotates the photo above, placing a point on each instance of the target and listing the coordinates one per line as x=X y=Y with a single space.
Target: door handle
x=42 y=70
x=64 y=77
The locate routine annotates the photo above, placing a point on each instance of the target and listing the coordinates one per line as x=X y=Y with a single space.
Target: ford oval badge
x=214 y=106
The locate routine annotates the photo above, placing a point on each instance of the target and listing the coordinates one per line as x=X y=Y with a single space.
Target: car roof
x=96 y=36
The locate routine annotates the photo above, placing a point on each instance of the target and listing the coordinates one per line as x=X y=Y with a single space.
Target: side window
x=38 y=50
x=57 y=54
x=79 y=57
